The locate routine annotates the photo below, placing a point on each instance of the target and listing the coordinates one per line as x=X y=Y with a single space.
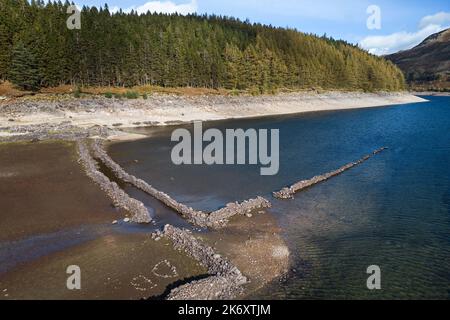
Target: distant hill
x=427 y=66
x=127 y=49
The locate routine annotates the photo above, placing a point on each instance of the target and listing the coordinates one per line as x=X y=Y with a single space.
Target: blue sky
x=403 y=23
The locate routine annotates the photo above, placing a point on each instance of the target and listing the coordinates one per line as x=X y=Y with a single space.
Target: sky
x=379 y=26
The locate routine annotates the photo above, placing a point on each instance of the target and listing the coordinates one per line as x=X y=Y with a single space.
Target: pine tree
x=5 y=58
x=128 y=49
x=24 y=70
x=233 y=67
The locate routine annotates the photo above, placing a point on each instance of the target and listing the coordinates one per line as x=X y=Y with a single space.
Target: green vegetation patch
x=174 y=51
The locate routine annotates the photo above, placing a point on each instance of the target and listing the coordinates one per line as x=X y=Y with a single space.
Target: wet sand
x=44 y=190
x=115 y=266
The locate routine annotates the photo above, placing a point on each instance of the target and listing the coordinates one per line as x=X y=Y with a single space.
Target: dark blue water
x=392 y=211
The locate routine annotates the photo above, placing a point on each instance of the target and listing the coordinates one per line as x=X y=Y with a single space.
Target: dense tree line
x=38 y=50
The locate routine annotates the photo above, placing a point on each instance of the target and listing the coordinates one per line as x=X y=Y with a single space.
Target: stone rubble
x=288 y=192
x=119 y=198
x=225 y=280
x=235 y=208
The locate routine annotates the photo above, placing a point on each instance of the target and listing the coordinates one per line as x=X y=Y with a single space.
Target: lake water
x=392 y=211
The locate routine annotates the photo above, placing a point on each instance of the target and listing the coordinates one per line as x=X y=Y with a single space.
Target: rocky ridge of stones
x=225 y=281
x=288 y=192
x=119 y=198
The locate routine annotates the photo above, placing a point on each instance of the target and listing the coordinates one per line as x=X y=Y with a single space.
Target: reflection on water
x=392 y=211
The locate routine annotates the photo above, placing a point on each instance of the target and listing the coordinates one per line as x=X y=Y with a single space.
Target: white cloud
x=381 y=45
x=440 y=18
x=163 y=7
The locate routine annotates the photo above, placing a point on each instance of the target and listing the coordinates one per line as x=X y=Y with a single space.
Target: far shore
x=164 y=109
x=431 y=93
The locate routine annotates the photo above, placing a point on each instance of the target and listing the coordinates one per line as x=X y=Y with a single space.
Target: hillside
x=427 y=66
x=38 y=50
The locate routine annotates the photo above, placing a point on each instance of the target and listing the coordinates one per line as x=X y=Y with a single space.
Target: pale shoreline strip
x=166 y=110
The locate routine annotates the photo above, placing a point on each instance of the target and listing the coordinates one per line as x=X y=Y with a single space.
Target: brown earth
x=128 y=266
x=43 y=189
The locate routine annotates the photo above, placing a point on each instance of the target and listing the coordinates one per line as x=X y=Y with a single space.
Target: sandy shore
x=170 y=109
x=431 y=93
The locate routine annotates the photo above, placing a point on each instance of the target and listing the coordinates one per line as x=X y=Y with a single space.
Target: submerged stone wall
x=235 y=208
x=288 y=192
x=216 y=219
x=225 y=282
x=119 y=198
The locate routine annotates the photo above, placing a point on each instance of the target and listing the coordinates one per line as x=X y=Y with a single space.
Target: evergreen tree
x=24 y=70
x=128 y=49
x=5 y=58
x=233 y=67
